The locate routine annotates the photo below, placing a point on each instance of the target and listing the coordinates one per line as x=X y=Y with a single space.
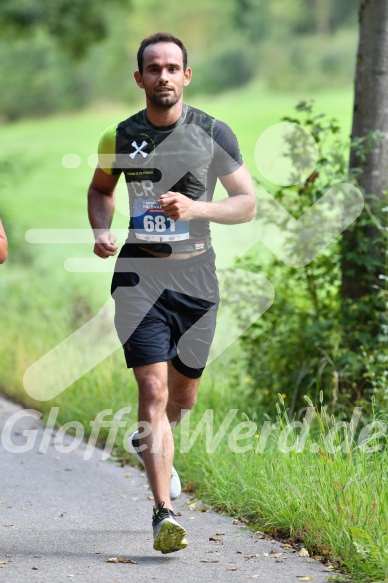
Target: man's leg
x=163 y=394
x=159 y=453
x=182 y=394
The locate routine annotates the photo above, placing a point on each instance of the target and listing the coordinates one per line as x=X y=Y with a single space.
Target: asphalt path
x=63 y=517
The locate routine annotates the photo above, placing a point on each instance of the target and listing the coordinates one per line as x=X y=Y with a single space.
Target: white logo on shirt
x=138 y=149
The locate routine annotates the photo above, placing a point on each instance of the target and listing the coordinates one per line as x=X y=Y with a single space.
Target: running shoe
x=175 y=484
x=169 y=536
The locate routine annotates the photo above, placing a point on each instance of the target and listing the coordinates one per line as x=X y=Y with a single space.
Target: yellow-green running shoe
x=169 y=536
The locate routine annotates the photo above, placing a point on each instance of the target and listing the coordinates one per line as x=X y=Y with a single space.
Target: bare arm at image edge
x=3 y=244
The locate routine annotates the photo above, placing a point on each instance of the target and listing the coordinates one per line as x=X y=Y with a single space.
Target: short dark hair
x=160 y=37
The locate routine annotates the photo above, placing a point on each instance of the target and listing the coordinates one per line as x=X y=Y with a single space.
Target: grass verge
x=329 y=492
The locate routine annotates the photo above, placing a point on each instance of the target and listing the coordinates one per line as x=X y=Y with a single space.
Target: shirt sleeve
x=227 y=156
x=107 y=151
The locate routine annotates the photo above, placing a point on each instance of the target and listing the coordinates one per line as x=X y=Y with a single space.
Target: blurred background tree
x=59 y=54
x=75 y=25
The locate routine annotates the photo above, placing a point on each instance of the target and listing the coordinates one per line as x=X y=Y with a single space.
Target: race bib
x=152 y=224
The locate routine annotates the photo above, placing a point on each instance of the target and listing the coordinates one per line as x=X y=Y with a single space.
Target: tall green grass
x=330 y=492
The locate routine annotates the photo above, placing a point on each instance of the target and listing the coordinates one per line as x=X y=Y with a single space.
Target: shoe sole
x=171 y=538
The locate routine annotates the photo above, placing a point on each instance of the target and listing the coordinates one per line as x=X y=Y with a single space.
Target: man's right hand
x=104 y=246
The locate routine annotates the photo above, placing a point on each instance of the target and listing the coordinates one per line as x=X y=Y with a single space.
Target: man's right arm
x=101 y=206
x=3 y=244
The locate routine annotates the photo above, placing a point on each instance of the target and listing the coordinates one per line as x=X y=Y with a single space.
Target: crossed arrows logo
x=296 y=242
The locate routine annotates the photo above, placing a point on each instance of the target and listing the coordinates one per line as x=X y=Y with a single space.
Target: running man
x=164 y=285
x=3 y=244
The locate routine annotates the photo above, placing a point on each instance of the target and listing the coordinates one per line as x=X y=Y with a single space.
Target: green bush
x=37 y=79
x=311 y=62
x=311 y=339
x=40 y=78
x=225 y=69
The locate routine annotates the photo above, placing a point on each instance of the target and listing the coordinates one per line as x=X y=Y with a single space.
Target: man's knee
x=182 y=402
x=153 y=391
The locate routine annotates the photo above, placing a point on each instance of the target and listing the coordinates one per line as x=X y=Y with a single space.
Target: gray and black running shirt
x=185 y=157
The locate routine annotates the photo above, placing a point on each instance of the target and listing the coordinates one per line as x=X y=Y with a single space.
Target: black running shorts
x=165 y=308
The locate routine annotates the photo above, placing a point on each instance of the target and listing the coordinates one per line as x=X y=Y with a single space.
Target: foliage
x=76 y=25
x=61 y=55
x=302 y=344
x=308 y=61
x=363 y=250
x=42 y=78
x=226 y=68
x=293 y=17
x=39 y=79
x=13 y=170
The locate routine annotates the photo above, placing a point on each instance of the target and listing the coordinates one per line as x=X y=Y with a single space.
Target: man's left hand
x=177 y=206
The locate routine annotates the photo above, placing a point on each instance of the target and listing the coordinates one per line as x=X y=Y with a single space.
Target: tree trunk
x=363 y=250
x=323 y=13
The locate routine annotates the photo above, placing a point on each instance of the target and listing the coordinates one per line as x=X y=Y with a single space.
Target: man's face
x=163 y=76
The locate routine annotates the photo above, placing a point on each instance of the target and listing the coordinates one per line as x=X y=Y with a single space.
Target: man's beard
x=165 y=101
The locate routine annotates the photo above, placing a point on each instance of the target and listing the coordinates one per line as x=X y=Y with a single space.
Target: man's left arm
x=239 y=207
